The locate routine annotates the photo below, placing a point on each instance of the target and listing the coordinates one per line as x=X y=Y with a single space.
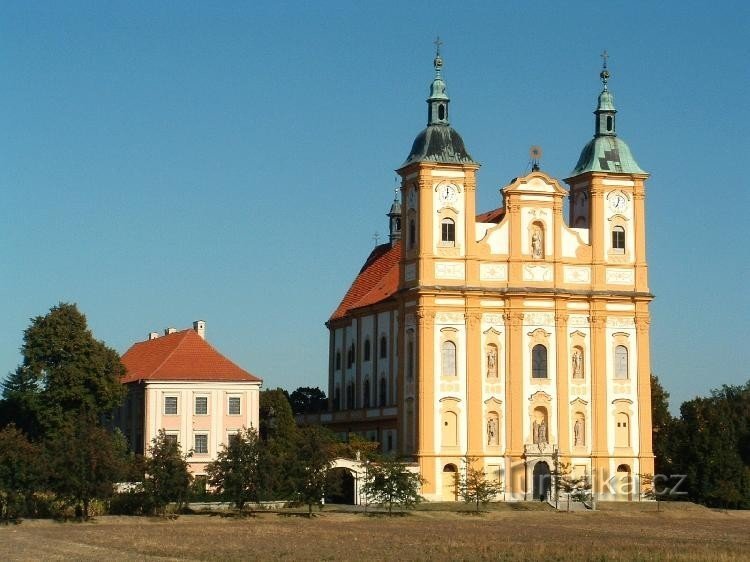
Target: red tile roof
x=376 y=281
x=183 y=356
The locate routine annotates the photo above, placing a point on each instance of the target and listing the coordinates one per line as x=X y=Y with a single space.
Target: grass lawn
x=504 y=532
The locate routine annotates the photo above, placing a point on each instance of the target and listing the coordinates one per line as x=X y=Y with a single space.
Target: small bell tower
x=394 y=219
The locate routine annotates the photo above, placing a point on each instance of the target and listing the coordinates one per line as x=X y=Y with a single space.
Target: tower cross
x=376 y=237
x=438 y=43
x=604 y=56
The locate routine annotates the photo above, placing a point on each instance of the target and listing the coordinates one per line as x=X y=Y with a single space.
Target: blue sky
x=164 y=162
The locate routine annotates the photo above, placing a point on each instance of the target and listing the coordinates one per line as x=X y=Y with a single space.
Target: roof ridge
x=175 y=348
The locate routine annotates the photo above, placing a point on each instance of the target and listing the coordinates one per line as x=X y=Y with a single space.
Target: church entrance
x=341 y=487
x=542 y=481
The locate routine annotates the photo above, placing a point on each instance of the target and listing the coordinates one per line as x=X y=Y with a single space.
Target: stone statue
x=491 y=361
x=536 y=243
x=542 y=433
x=577 y=363
x=535 y=432
x=578 y=433
x=492 y=431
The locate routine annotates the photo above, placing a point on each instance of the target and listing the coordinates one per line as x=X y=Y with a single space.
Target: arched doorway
x=450 y=483
x=623 y=484
x=340 y=488
x=542 y=481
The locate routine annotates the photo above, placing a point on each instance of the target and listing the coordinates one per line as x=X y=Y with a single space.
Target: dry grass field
x=522 y=532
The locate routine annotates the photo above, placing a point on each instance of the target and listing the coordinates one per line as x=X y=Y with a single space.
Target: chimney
x=153 y=335
x=200 y=327
x=168 y=331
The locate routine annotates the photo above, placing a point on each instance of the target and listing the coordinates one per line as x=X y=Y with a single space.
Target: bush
x=132 y=502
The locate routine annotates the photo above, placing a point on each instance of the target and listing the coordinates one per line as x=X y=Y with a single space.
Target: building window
x=621 y=362
x=609 y=122
x=448 y=362
x=383 y=347
x=539 y=362
x=412 y=234
x=170 y=405
x=448 y=232
x=201 y=444
x=338 y=360
x=350 y=357
x=410 y=360
x=337 y=399
x=366 y=394
x=382 y=394
x=201 y=405
x=171 y=438
x=618 y=239
x=350 y=396
x=367 y=350
x=234 y=406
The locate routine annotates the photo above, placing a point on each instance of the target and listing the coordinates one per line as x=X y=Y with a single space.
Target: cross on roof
x=604 y=56
x=437 y=43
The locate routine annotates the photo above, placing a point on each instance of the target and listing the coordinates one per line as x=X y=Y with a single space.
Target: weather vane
x=535 y=153
x=376 y=237
x=437 y=43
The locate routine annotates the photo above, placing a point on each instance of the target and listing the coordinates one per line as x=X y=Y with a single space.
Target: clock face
x=618 y=202
x=447 y=193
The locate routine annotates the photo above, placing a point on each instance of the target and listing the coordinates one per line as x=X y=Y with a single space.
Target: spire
x=437 y=113
x=605 y=110
x=394 y=216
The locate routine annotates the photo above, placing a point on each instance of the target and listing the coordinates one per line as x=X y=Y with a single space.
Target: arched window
x=398 y=224
x=621 y=362
x=338 y=360
x=539 y=362
x=366 y=394
x=448 y=232
x=441 y=112
x=450 y=429
x=412 y=234
x=383 y=347
x=350 y=357
x=367 y=349
x=337 y=399
x=609 y=122
x=382 y=395
x=448 y=363
x=350 y=396
x=618 y=239
x=622 y=430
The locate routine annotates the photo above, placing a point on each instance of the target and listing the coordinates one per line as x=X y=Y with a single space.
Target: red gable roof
x=378 y=278
x=180 y=356
x=376 y=281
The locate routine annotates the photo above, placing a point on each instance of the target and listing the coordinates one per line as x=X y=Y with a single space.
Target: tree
x=278 y=434
x=308 y=400
x=474 y=486
x=389 y=482
x=315 y=453
x=66 y=373
x=236 y=471
x=357 y=447
x=167 y=475
x=84 y=461
x=662 y=424
x=21 y=472
x=575 y=487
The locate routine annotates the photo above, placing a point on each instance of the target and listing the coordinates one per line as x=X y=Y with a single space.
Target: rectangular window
x=171 y=438
x=170 y=405
x=234 y=406
x=201 y=444
x=201 y=405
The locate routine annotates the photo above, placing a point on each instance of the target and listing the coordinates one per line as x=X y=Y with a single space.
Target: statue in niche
x=577 y=363
x=578 y=433
x=539 y=432
x=491 y=361
x=492 y=431
x=537 y=243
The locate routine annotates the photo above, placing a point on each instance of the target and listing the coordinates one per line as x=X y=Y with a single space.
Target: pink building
x=179 y=383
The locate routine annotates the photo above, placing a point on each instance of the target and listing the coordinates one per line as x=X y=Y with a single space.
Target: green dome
x=607 y=154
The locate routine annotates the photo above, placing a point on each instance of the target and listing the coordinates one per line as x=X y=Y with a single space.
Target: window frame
x=195 y=404
x=618 y=242
x=176 y=399
x=535 y=357
x=202 y=434
x=617 y=373
x=230 y=399
x=448 y=346
x=447 y=232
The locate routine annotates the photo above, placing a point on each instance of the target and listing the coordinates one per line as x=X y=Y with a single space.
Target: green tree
x=575 y=488
x=84 y=461
x=167 y=474
x=662 y=424
x=389 y=482
x=236 y=470
x=474 y=486
x=66 y=373
x=308 y=400
x=21 y=472
x=278 y=434
x=315 y=453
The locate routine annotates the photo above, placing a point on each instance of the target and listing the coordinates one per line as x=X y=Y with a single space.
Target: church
x=514 y=337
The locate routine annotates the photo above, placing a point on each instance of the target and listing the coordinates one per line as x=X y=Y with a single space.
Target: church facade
x=514 y=337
